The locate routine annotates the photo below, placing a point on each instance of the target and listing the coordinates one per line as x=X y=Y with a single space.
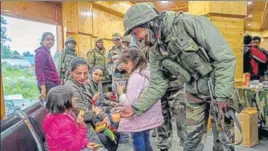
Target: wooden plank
x=45 y=12
x=199 y=8
x=264 y=19
x=119 y=6
x=85 y=17
x=70 y=16
x=229 y=7
x=105 y=24
x=108 y=10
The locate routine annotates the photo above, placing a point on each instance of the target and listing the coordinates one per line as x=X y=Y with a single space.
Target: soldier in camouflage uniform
x=186 y=49
x=68 y=53
x=96 y=57
x=113 y=57
x=126 y=41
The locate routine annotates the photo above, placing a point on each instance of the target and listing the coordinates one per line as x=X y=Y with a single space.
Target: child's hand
x=97 y=110
x=93 y=146
x=80 y=120
x=119 y=89
x=106 y=120
x=114 y=104
x=109 y=94
x=96 y=97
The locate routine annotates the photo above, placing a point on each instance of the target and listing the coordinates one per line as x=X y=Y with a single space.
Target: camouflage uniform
x=64 y=60
x=113 y=57
x=188 y=49
x=96 y=57
x=173 y=105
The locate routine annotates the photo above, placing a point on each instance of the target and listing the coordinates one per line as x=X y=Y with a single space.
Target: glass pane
x=19 y=40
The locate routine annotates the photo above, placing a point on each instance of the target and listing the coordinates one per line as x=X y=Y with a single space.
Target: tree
x=5 y=50
x=4 y=37
x=16 y=53
x=27 y=53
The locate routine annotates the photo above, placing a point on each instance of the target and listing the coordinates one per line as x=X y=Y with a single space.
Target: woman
x=134 y=62
x=45 y=69
x=79 y=76
x=96 y=88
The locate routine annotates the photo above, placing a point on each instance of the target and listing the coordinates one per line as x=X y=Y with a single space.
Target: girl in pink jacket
x=62 y=131
x=134 y=62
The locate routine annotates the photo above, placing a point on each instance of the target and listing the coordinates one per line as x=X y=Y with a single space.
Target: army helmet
x=70 y=39
x=137 y=15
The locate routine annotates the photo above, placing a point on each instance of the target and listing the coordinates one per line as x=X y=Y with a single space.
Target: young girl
x=135 y=63
x=61 y=129
x=45 y=69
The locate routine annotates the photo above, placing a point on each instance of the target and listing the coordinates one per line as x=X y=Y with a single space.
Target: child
x=134 y=62
x=61 y=129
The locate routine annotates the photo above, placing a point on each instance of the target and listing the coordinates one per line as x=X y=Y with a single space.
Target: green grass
x=20 y=81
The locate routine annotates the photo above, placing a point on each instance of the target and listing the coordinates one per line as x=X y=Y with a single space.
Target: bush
x=19 y=81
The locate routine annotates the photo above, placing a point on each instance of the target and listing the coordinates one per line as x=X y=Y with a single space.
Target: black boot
x=163 y=149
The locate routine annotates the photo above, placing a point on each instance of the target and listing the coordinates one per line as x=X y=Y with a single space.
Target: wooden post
x=3 y=110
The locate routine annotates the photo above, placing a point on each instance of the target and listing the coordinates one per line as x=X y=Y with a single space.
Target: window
x=19 y=40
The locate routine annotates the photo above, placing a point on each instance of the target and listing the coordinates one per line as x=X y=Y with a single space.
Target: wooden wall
x=229 y=18
x=87 y=21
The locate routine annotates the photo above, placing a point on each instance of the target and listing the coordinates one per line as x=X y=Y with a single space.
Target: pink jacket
x=152 y=118
x=63 y=133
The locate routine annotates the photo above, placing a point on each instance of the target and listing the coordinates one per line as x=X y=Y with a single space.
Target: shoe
x=163 y=149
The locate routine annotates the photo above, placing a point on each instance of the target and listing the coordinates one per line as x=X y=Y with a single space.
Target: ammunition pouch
x=192 y=62
x=175 y=69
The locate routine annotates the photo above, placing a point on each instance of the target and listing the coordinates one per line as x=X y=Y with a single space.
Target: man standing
x=188 y=49
x=96 y=57
x=263 y=67
x=113 y=57
x=66 y=56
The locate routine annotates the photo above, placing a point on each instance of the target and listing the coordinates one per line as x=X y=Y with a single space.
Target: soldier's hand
x=126 y=112
x=222 y=107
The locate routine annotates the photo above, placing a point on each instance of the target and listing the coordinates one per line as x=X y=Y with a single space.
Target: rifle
x=220 y=137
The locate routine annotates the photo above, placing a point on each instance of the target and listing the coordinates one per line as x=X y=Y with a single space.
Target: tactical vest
x=186 y=60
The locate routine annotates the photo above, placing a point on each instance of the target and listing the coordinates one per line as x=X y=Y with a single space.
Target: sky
x=26 y=35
